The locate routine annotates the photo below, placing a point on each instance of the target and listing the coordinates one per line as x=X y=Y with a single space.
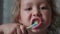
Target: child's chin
x=35 y=30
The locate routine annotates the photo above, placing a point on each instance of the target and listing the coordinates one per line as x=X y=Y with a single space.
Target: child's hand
x=12 y=28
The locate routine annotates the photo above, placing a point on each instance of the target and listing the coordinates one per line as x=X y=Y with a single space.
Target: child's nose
x=35 y=12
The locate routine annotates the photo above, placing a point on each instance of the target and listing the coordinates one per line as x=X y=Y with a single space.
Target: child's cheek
x=45 y=15
x=30 y=16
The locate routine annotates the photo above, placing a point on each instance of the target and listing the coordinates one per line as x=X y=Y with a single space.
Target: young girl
x=30 y=17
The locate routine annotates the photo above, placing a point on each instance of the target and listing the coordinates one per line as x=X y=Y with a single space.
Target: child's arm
x=12 y=28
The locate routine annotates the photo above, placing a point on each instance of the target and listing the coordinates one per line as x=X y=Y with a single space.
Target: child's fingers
x=19 y=30
x=14 y=32
x=23 y=29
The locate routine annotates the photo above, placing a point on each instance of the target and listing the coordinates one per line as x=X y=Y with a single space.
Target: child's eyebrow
x=29 y=4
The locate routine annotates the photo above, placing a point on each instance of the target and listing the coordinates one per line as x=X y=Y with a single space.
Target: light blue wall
x=7 y=10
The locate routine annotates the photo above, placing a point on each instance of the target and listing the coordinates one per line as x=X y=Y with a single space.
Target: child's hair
x=16 y=11
x=16 y=15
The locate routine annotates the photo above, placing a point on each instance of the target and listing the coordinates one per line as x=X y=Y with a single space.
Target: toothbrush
x=33 y=25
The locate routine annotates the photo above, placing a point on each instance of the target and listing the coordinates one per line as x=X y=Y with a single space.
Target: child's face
x=35 y=10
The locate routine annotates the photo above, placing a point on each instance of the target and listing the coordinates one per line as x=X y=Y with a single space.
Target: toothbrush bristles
x=35 y=23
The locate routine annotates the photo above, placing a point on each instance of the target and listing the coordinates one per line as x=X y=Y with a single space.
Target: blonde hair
x=15 y=11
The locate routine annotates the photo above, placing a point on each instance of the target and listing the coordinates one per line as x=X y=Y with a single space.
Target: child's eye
x=28 y=9
x=44 y=8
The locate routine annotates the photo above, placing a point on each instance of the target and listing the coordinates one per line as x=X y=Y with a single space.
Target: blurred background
x=1 y=11
x=5 y=10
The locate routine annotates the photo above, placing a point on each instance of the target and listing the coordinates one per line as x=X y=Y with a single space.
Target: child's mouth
x=35 y=24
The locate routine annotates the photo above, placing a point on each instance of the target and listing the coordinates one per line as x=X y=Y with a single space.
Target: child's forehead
x=33 y=1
